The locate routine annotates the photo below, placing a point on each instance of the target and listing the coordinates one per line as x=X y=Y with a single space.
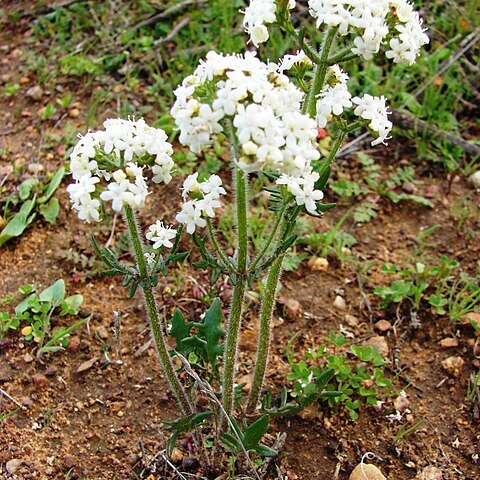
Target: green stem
x=235 y=315
x=270 y=238
x=264 y=339
x=152 y=313
x=333 y=152
x=213 y=239
x=309 y=106
x=343 y=56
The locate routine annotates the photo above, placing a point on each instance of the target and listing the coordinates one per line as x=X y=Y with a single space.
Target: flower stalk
x=152 y=313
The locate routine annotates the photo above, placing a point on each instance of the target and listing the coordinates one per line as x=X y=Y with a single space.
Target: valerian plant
x=270 y=114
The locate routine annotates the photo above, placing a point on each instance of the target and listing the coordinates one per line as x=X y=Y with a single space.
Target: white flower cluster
x=262 y=105
x=111 y=155
x=371 y=22
x=202 y=197
x=288 y=61
x=375 y=110
x=335 y=97
x=160 y=235
x=258 y=14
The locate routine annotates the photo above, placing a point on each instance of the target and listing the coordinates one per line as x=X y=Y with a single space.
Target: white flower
x=88 y=209
x=190 y=185
x=119 y=194
x=375 y=110
x=288 y=61
x=161 y=235
x=191 y=216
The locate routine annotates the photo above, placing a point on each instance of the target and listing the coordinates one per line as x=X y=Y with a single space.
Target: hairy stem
x=218 y=250
x=235 y=315
x=309 y=106
x=152 y=313
x=264 y=339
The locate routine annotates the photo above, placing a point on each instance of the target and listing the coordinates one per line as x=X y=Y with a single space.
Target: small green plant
x=373 y=184
x=434 y=284
x=35 y=313
x=32 y=196
x=352 y=379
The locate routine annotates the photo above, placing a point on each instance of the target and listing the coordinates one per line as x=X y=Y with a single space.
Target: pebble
x=27 y=402
x=430 y=473
x=339 y=303
x=68 y=462
x=318 y=264
x=73 y=344
x=474 y=179
x=190 y=463
x=27 y=358
x=133 y=458
x=408 y=187
x=449 y=342
x=39 y=380
x=453 y=366
x=176 y=456
x=292 y=307
x=51 y=371
x=365 y=471
x=13 y=464
x=74 y=113
x=401 y=403
x=26 y=331
x=102 y=332
x=35 y=93
x=378 y=342
x=352 y=321
x=36 y=168
x=383 y=326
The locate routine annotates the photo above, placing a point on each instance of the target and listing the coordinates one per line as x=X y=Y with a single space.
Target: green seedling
x=33 y=197
x=35 y=313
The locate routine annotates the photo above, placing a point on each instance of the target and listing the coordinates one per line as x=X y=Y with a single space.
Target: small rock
x=430 y=473
x=35 y=92
x=51 y=371
x=27 y=358
x=102 y=332
x=13 y=464
x=318 y=264
x=339 y=303
x=190 y=463
x=27 y=402
x=383 y=326
x=247 y=380
x=292 y=307
x=176 y=456
x=453 y=365
x=36 y=168
x=449 y=342
x=26 y=331
x=74 y=113
x=352 y=321
x=401 y=403
x=73 y=345
x=68 y=462
x=23 y=80
x=378 y=342
x=84 y=313
x=40 y=380
x=474 y=179
x=365 y=471
x=408 y=187
x=120 y=413
x=133 y=458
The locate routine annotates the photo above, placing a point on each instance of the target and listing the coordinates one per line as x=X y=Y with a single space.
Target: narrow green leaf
x=53 y=185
